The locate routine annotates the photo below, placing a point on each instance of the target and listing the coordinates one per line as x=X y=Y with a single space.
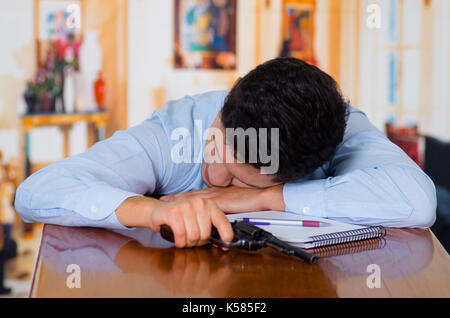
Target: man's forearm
x=136 y=211
x=238 y=200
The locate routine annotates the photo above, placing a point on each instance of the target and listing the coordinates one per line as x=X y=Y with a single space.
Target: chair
x=3 y=289
x=437 y=158
x=433 y=158
x=409 y=140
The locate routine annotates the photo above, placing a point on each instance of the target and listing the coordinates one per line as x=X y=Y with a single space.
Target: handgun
x=251 y=238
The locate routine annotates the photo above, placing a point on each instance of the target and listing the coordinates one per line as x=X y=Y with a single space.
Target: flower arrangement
x=44 y=92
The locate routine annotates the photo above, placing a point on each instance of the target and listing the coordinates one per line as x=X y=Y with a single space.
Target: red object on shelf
x=100 y=90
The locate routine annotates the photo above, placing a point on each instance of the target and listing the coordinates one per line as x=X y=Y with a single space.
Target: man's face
x=221 y=169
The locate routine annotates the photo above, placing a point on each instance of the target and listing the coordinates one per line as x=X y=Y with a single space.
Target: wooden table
x=412 y=263
x=95 y=120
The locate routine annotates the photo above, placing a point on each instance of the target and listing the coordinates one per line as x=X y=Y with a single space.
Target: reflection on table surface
x=140 y=263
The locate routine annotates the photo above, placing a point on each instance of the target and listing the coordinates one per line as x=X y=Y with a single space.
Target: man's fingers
x=179 y=229
x=220 y=221
x=204 y=222
x=192 y=228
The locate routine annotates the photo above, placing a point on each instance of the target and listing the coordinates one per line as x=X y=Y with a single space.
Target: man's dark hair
x=302 y=101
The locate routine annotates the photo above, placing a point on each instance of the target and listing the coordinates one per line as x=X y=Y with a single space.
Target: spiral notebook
x=312 y=237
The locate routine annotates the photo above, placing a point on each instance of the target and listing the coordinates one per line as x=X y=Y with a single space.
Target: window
x=404 y=67
x=398 y=61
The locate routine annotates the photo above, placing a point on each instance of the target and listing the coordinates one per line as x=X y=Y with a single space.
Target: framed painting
x=56 y=21
x=205 y=34
x=298 y=29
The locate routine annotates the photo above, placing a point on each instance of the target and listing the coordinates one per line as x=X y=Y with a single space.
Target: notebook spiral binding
x=349 y=248
x=348 y=236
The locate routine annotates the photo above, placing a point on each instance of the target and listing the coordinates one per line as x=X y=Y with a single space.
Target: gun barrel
x=291 y=250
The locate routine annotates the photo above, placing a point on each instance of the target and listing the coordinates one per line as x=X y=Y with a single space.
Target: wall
x=432 y=113
x=16 y=66
x=151 y=77
x=349 y=50
x=108 y=18
x=440 y=119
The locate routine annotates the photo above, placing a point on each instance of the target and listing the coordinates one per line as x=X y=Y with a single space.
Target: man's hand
x=190 y=219
x=237 y=200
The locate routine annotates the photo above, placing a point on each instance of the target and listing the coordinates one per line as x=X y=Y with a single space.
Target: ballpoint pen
x=302 y=223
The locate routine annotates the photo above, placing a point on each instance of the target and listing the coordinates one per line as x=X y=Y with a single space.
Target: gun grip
x=167 y=233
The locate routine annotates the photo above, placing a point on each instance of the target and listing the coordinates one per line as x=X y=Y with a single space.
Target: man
x=325 y=160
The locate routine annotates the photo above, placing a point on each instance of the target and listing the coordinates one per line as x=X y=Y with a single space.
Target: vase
x=31 y=101
x=46 y=102
x=59 y=104
x=90 y=66
x=69 y=90
x=100 y=90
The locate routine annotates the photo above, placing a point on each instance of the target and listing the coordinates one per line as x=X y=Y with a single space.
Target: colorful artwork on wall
x=205 y=34
x=298 y=29
x=58 y=22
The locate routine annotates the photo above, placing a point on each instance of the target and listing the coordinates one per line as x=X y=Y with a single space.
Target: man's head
x=302 y=102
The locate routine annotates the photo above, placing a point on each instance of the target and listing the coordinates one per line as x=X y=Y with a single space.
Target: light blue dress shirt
x=369 y=181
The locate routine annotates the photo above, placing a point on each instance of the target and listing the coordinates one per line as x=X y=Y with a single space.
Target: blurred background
x=74 y=72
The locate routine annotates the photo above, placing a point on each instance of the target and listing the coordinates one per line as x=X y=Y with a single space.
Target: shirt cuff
x=306 y=198
x=100 y=203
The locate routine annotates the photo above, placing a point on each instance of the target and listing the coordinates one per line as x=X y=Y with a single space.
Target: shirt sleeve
x=86 y=190
x=371 y=182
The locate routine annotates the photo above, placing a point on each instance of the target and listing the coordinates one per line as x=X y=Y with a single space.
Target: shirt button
x=306 y=210
x=93 y=209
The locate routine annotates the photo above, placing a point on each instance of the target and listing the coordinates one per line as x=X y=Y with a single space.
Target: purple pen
x=302 y=223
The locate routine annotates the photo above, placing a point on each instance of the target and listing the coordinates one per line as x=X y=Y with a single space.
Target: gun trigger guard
x=249 y=245
x=221 y=243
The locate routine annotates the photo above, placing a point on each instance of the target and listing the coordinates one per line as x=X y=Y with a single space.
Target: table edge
x=37 y=266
